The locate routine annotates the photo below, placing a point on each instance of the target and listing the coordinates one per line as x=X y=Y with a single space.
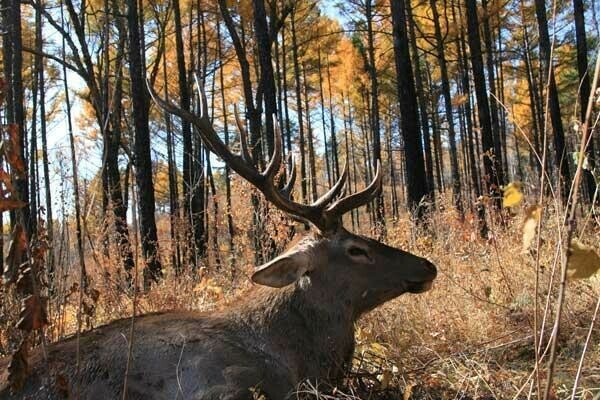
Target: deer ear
x=282 y=271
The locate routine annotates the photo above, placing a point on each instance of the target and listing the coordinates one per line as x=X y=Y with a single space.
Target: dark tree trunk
x=536 y=112
x=354 y=173
x=143 y=162
x=330 y=178
x=334 y=146
x=112 y=142
x=491 y=164
x=422 y=105
x=45 y=161
x=299 y=108
x=584 y=90
x=199 y=190
x=186 y=133
x=456 y=190
x=267 y=82
x=375 y=123
x=16 y=112
x=309 y=137
x=467 y=112
x=415 y=167
x=227 y=169
x=287 y=129
x=173 y=189
x=493 y=103
x=562 y=160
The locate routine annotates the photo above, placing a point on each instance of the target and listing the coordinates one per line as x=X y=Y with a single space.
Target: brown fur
x=269 y=341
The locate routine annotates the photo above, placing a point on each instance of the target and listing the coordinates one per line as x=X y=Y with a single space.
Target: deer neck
x=308 y=329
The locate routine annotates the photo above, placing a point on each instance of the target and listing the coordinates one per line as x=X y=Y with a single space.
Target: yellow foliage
x=512 y=194
x=583 y=261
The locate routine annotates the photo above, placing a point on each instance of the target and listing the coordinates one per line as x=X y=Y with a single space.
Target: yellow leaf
x=530 y=223
x=583 y=261
x=512 y=194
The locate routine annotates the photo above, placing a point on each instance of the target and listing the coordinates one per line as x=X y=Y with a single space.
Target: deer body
x=269 y=341
x=269 y=347
x=299 y=325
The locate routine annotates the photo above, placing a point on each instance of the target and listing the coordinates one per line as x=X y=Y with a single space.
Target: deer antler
x=325 y=213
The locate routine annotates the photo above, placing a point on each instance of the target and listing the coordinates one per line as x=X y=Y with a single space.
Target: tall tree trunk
x=186 y=133
x=267 y=82
x=113 y=141
x=330 y=178
x=143 y=162
x=173 y=189
x=415 y=166
x=353 y=151
x=493 y=103
x=375 y=123
x=45 y=161
x=14 y=39
x=309 y=133
x=491 y=164
x=584 y=90
x=78 y=228
x=562 y=160
x=299 y=108
x=456 y=190
x=33 y=149
x=334 y=146
x=467 y=110
x=227 y=169
x=536 y=112
x=422 y=105
x=287 y=129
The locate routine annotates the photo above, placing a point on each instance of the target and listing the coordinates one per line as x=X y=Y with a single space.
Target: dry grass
x=470 y=337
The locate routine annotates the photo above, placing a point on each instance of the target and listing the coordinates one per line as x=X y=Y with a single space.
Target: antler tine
x=355 y=200
x=321 y=213
x=243 y=135
x=335 y=190
x=212 y=140
x=275 y=163
x=289 y=186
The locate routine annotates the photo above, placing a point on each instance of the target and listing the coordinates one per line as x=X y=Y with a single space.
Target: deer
x=296 y=323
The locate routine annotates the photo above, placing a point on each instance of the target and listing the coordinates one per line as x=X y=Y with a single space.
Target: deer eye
x=355 y=251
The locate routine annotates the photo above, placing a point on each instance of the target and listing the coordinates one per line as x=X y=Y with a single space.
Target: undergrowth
x=470 y=337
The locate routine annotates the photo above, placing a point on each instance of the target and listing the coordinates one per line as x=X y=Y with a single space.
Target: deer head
x=360 y=272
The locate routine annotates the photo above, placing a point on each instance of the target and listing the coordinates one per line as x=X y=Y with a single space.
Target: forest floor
x=470 y=337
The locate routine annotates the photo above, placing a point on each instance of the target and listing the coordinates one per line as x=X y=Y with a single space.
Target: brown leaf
x=12 y=154
x=6 y=179
x=16 y=253
x=18 y=368
x=11 y=204
x=33 y=314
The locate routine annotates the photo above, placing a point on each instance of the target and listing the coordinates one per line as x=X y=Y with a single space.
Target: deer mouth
x=418 y=287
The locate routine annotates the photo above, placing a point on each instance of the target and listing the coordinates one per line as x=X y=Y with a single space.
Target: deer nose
x=430 y=268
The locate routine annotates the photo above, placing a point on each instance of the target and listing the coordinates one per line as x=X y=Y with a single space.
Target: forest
x=187 y=154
